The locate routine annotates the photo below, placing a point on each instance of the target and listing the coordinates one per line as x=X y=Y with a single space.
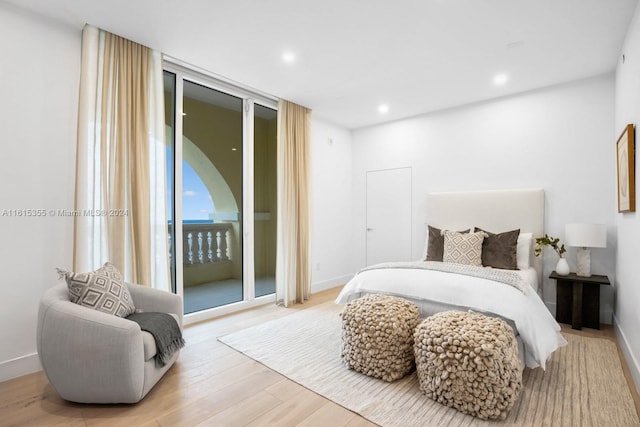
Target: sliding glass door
x=222 y=193
x=265 y=198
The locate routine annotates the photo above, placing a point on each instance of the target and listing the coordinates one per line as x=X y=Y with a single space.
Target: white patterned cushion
x=102 y=290
x=463 y=248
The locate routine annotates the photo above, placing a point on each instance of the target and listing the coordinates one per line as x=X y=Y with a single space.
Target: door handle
x=369 y=229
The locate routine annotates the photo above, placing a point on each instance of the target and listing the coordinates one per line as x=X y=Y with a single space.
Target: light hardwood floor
x=210 y=385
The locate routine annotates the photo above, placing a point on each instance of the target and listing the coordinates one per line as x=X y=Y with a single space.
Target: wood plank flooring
x=210 y=385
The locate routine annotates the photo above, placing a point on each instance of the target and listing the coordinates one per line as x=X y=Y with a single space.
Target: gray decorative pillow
x=500 y=250
x=463 y=248
x=102 y=290
x=435 y=244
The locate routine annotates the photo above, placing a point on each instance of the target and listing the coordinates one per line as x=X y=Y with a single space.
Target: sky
x=196 y=200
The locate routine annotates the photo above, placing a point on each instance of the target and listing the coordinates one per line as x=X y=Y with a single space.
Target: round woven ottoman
x=377 y=336
x=468 y=361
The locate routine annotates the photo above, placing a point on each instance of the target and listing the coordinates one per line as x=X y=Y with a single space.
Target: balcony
x=212 y=270
x=206 y=251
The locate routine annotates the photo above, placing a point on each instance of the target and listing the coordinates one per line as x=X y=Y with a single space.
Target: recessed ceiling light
x=289 y=57
x=500 y=79
x=383 y=109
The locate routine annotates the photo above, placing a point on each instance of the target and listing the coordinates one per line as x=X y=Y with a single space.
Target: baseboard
x=632 y=362
x=19 y=366
x=331 y=283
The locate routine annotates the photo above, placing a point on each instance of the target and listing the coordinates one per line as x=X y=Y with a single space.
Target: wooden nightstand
x=578 y=299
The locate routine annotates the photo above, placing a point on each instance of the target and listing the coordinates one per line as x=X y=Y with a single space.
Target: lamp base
x=584 y=262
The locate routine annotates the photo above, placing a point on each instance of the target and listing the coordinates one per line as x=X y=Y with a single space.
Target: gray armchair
x=94 y=357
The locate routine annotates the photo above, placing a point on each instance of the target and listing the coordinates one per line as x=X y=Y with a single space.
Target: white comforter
x=537 y=328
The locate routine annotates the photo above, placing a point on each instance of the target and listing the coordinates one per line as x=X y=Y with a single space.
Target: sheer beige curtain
x=120 y=182
x=293 y=273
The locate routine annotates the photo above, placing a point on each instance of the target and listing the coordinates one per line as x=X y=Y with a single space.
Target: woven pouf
x=377 y=336
x=468 y=361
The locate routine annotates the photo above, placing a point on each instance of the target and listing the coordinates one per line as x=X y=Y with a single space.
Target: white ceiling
x=417 y=56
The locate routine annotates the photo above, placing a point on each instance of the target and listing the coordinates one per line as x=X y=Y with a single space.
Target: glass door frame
x=249 y=98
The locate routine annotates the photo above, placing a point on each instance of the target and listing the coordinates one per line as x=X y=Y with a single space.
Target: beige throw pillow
x=435 y=244
x=463 y=248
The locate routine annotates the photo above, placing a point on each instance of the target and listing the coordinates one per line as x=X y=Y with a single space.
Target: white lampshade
x=586 y=235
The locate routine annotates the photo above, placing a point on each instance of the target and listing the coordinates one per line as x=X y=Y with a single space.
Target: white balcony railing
x=204 y=243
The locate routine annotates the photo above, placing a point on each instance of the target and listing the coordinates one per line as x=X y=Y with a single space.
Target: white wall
x=627 y=284
x=38 y=108
x=558 y=139
x=331 y=214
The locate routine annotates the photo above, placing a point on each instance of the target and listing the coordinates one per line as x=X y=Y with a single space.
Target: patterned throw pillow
x=102 y=290
x=435 y=244
x=463 y=248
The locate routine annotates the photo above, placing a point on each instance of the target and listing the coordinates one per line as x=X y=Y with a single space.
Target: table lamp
x=585 y=236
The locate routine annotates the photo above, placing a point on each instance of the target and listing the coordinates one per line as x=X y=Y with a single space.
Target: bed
x=513 y=294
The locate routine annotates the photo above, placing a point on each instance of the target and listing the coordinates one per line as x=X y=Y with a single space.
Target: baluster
x=215 y=246
x=210 y=251
x=200 y=251
x=223 y=246
x=190 y=247
x=218 y=254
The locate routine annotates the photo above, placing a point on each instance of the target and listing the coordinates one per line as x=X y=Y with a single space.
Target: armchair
x=94 y=357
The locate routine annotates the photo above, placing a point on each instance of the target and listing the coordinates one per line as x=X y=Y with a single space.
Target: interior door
x=388 y=215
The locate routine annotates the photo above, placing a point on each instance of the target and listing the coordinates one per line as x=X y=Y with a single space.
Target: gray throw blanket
x=165 y=330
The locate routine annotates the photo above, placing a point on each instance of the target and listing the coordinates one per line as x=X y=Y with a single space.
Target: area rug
x=582 y=385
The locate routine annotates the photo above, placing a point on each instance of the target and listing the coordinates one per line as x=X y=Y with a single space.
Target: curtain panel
x=293 y=272
x=120 y=179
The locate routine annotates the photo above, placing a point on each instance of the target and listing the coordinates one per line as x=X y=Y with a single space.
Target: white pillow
x=523 y=251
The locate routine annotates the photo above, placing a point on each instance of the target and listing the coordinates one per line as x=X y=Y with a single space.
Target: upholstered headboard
x=496 y=211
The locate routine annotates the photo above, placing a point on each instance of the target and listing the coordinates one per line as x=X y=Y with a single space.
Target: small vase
x=563 y=267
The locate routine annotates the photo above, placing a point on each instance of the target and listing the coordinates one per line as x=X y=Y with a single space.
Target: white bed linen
x=530 y=277
x=538 y=329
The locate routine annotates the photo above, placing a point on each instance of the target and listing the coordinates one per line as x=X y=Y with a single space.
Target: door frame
x=366 y=243
x=249 y=97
